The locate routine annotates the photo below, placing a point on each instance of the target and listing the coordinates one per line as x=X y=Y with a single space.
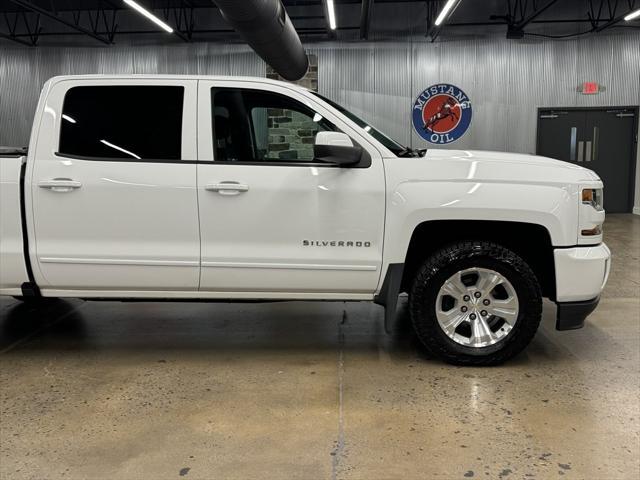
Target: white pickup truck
x=224 y=188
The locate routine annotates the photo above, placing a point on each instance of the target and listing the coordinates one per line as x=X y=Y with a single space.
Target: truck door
x=113 y=187
x=272 y=218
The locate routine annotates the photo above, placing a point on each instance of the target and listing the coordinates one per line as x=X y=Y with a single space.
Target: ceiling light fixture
x=632 y=15
x=332 y=14
x=143 y=11
x=445 y=11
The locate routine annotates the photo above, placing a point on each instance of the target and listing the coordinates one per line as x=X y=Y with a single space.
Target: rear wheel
x=475 y=303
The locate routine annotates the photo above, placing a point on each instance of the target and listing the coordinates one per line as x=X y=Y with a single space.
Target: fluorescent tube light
x=120 y=149
x=332 y=14
x=632 y=15
x=445 y=12
x=143 y=11
x=68 y=118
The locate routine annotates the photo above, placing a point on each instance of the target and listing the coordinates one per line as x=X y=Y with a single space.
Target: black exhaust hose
x=266 y=27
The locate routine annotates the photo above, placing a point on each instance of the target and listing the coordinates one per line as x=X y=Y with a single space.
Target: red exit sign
x=590 y=88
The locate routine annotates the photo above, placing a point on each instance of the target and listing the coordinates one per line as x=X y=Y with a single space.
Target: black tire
x=464 y=255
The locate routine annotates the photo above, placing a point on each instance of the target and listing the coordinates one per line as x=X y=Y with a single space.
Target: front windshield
x=388 y=142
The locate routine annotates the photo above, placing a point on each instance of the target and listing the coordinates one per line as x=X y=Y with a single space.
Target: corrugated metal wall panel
x=490 y=95
x=506 y=80
x=625 y=57
x=347 y=75
x=594 y=63
x=212 y=60
x=117 y=60
x=525 y=90
x=178 y=60
x=18 y=97
x=392 y=100
x=559 y=76
x=144 y=59
x=244 y=62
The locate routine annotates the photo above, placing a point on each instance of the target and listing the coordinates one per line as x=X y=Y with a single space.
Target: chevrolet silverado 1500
x=221 y=188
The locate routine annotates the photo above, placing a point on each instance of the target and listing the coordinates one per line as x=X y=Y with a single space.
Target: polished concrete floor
x=93 y=390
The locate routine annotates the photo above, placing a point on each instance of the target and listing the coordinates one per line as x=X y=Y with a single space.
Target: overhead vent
x=266 y=27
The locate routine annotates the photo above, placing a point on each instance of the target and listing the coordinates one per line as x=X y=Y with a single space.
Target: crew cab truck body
x=222 y=188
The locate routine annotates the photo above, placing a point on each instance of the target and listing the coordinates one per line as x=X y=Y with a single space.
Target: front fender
x=411 y=203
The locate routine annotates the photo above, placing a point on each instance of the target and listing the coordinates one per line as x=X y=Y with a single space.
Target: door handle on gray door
x=60 y=184
x=580 y=151
x=572 y=144
x=227 y=188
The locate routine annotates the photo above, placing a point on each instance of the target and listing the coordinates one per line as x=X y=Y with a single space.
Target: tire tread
x=530 y=309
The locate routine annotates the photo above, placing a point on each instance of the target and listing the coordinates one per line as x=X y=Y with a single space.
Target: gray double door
x=603 y=140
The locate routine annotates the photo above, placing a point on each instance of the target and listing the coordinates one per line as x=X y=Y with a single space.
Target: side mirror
x=336 y=148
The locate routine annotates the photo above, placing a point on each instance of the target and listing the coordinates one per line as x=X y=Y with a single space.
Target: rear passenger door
x=113 y=187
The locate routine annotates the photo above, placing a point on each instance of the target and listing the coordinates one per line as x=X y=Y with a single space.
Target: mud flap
x=388 y=296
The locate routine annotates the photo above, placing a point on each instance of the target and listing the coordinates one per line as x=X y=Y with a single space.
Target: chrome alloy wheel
x=477 y=307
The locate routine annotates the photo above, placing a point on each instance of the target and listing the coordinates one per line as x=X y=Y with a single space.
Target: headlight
x=593 y=197
x=591 y=216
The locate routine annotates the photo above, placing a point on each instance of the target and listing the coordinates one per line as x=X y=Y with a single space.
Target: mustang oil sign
x=441 y=113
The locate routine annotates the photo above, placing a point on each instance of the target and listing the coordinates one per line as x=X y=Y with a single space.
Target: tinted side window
x=135 y=122
x=257 y=126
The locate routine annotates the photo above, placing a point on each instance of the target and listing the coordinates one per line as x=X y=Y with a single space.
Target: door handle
x=580 y=151
x=60 y=184
x=227 y=188
x=572 y=144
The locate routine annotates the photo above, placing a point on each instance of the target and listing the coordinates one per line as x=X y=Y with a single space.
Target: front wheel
x=475 y=303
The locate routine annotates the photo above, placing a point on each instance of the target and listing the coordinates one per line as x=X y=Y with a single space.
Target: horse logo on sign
x=441 y=113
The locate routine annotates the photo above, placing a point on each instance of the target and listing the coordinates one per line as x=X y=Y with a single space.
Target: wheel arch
x=532 y=242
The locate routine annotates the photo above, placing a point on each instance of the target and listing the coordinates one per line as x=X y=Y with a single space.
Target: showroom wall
x=506 y=80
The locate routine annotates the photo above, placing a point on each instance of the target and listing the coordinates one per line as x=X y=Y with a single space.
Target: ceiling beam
x=365 y=19
x=17 y=40
x=618 y=19
x=46 y=13
x=524 y=22
x=610 y=23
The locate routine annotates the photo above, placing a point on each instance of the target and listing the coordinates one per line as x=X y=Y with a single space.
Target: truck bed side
x=13 y=271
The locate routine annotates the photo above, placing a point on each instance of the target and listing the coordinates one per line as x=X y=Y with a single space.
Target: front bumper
x=581 y=274
x=571 y=315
